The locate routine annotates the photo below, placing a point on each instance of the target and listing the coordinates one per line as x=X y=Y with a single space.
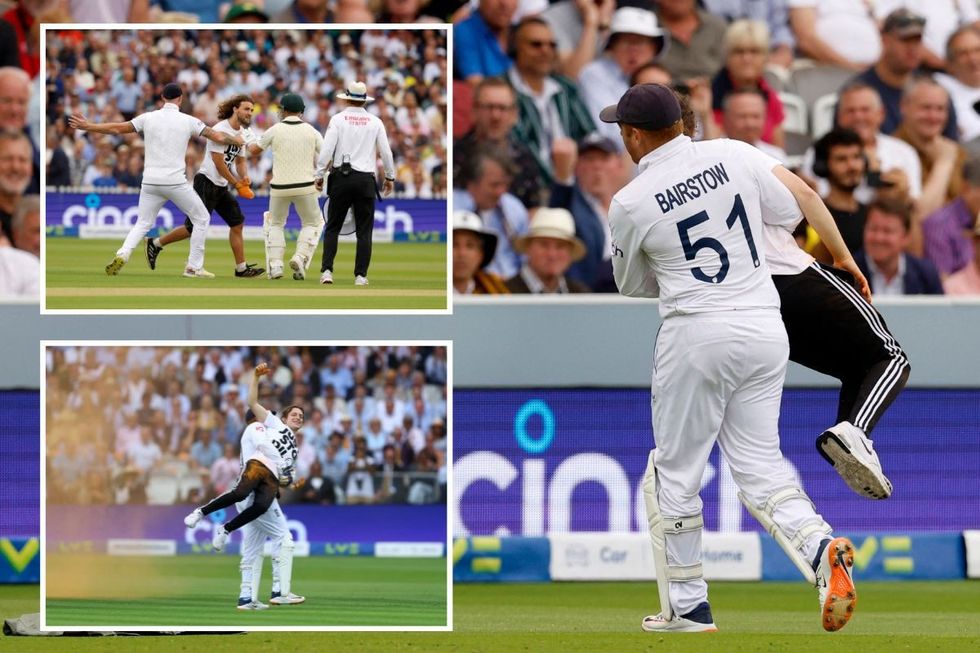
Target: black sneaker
x=251 y=270
x=152 y=252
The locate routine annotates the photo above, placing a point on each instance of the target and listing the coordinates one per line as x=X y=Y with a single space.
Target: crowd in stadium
x=874 y=104
x=113 y=76
x=163 y=425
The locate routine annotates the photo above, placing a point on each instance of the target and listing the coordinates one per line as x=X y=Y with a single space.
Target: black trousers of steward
x=834 y=331
x=256 y=478
x=357 y=190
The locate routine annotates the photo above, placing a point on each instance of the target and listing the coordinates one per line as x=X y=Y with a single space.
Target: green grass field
x=402 y=276
x=203 y=591
x=599 y=617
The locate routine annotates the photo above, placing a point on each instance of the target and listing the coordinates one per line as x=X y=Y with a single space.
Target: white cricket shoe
x=191 y=520
x=275 y=270
x=199 y=273
x=698 y=620
x=289 y=599
x=835 y=587
x=851 y=453
x=298 y=267
x=326 y=277
x=360 y=281
x=220 y=538
x=249 y=604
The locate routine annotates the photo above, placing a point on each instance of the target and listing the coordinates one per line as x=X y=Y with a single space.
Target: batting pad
x=275 y=239
x=307 y=241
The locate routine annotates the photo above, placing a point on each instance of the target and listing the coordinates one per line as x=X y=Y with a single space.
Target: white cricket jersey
x=272 y=443
x=689 y=227
x=295 y=146
x=165 y=134
x=360 y=135
x=229 y=152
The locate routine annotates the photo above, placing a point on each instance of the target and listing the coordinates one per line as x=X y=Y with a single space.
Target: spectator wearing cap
x=943 y=18
x=247 y=12
x=581 y=28
x=473 y=249
x=743 y=118
x=486 y=33
x=494 y=117
x=550 y=109
x=598 y=171
x=945 y=233
x=775 y=15
x=485 y=179
x=901 y=56
x=551 y=248
x=840 y=33
x=963 y=79
x=746 y=47
x=695 y=39
x=925 y=109
x=635 y=39
x=966 y=281
x=890 y=269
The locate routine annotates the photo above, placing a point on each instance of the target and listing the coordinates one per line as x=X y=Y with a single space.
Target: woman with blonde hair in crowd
x=746 y=51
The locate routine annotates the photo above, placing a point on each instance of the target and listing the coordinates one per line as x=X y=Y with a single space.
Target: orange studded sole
x=841 y=596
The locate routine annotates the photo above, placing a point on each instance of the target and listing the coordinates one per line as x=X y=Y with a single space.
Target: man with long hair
x=212 y=181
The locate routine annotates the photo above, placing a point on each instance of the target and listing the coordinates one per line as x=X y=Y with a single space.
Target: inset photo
x=245 y=170
x=230 y=486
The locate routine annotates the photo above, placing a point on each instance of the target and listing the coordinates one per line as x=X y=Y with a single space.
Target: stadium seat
x=822 y=115
x=796 y=113
x=817 y=81
x=796 y=146
x=161 y=490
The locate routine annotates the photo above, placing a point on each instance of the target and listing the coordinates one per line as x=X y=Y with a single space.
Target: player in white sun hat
x=689 y=230
x=165 y=132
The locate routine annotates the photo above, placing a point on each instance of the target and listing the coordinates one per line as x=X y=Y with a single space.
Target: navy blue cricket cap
x=647 y=106
x=171 y=91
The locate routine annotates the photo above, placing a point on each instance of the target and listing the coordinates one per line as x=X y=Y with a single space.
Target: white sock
x=156 y=241
x=239 y=267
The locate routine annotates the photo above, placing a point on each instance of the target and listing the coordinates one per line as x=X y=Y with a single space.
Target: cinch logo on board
x=94 y=213
x=548 y=477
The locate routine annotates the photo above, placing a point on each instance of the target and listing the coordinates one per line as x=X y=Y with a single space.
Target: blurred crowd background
x=163 y=425
x=875 y=104
x=111 y=76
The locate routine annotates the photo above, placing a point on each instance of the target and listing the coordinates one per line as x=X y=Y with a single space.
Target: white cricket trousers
x=306 y=205
x=270 y=524
x=719 y=376
x=152 y=199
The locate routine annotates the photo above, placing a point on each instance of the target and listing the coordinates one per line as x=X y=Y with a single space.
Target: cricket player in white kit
x=271 y=465
x=689 y=230
x=165 y=132
x=295 y=146
x=270 y=524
